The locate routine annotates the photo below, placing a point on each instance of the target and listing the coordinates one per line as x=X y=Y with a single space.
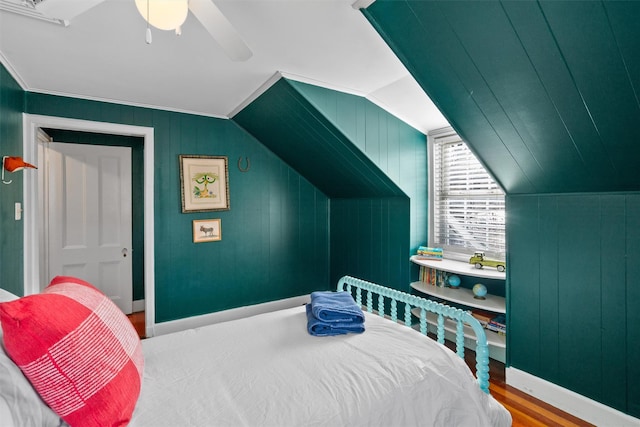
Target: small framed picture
x=206 y=230
x=204 y=183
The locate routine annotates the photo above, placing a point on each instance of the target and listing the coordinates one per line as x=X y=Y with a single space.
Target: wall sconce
x=14 y=164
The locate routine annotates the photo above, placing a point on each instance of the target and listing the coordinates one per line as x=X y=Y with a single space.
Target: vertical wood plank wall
x=274 y=238
x=369 y=239
x=395 y=147
x=370 y=164
x=11 y=231
x=574 y=296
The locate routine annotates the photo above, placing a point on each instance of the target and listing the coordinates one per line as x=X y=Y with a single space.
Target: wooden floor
x=137 y=319
x=526 y=410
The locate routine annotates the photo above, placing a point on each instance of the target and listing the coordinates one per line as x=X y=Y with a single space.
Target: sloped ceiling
x=546 y=93
x=102 y=55
x=286 y=122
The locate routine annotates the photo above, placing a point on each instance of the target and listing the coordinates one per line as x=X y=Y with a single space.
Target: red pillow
x=78 y=350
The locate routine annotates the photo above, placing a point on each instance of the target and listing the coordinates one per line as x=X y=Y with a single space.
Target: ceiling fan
x=205 y=11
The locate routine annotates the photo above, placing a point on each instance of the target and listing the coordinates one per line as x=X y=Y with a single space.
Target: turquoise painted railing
x=347 y=283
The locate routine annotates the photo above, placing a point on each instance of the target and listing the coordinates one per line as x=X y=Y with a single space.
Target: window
x=466 y=205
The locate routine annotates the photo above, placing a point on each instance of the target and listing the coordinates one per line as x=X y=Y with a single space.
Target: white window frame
x=448 y=135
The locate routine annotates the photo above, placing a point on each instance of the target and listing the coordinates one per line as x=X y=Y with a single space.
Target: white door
x=87 y=207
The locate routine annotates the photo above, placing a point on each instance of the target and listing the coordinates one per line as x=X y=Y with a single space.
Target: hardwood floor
x=525 y=410
x=137 y=319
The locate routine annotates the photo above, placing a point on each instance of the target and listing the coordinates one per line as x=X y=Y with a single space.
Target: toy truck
x=479 y=261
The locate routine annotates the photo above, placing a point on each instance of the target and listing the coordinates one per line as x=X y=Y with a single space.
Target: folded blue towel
x=335 y=307
x=319 y=328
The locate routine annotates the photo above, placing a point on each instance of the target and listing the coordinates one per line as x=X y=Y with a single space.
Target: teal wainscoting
x=275 y=237
x=11 y=231
x=574 y=302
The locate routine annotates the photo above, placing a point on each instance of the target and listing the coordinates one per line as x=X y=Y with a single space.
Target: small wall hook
x=240 y=164
x=3 y=181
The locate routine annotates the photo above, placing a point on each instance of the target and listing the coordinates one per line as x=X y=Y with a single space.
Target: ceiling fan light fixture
x=164 y=14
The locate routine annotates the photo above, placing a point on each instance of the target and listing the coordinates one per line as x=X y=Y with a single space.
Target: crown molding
x=256 y=94
x=320 y=83
x=12 y=72
x=362 y=4
x=128 y=103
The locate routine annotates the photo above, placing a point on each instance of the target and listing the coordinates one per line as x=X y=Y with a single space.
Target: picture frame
x=207 y=230
x=204 y=183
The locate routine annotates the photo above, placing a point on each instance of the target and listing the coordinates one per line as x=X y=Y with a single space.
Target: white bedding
x=267 y=370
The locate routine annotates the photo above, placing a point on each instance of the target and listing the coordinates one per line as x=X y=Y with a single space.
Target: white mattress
x=267 y=370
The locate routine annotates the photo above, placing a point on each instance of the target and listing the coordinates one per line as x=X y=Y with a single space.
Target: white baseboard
x=226 y=315
x=138 y=305
x=569 y=401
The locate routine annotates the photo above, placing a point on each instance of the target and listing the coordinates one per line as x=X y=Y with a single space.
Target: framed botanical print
x=204 y=183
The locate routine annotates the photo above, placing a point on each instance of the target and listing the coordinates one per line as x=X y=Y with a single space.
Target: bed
x=267 y=370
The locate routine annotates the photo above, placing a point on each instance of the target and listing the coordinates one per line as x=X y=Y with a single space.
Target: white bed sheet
x=266 y=370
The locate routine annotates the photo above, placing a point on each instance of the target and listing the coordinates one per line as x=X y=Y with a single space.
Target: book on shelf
x=499 y=330
x=484 y=317
x=498 y=324
x=433 y=276
x=425 y=252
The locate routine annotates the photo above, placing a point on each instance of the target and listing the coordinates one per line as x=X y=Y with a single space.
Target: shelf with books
x=493 y=338
x=434 y=282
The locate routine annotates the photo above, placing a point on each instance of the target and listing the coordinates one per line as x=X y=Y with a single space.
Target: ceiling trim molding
x=128 y=103
x=326 y=85
x=362 y=4
x=12 y=71
x=290 y=76
x=256 y=94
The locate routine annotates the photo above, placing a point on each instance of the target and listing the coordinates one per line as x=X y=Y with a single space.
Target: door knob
x=124 y=252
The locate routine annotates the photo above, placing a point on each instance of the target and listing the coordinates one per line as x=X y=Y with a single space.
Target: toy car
x=480 y=261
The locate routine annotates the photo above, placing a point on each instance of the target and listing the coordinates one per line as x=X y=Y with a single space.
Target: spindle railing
x=347 y=283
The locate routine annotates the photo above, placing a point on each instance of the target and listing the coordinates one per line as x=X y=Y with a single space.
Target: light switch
x=18 y=211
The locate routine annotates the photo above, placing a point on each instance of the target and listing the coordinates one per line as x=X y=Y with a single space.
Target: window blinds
x=468 y=206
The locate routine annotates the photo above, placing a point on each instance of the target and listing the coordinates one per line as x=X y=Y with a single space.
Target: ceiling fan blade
x=220 y=29
x=65 y=9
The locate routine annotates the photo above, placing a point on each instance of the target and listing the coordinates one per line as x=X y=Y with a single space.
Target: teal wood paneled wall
x=11 y=231
x=369 y=239
x=574 y=297
x=545 y=92
x=275 y=237
x=396 y=148
x=372 y=166
x=137 y=190
x=284 y=120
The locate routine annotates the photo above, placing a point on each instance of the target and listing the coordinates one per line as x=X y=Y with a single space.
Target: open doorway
x=105 y=217
x=32 y=213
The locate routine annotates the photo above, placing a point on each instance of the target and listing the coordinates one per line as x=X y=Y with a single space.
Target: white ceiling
x=102 y=55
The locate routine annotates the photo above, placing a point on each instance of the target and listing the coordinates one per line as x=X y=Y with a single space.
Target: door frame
x=30 y=125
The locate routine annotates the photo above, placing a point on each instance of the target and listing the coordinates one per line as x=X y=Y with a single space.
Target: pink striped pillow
x=78 y=350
